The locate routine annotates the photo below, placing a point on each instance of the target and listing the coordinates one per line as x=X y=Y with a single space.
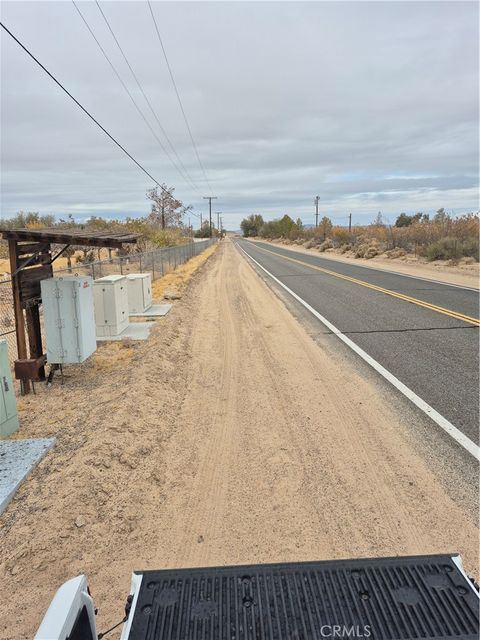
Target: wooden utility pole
x=17 y=305
x=317 y=198
x=210 y=198
x=349 y=222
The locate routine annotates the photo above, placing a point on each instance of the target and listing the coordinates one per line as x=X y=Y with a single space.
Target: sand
x=223 y=439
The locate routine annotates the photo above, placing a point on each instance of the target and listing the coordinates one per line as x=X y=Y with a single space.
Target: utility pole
x=218 y=219
x=349 y=222
x=210 y=198
x=317 y=198
x=221 y=227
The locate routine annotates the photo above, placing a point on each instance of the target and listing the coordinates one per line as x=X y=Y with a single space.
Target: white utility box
x=110 y=297
x=8 y=403
x=139 y=292
x=68 y=318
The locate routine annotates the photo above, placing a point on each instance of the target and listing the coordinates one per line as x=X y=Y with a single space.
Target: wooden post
x=17 y=307
x=34 y=332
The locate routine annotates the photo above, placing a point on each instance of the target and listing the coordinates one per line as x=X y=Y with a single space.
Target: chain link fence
x=158 y=263
x=7 y=318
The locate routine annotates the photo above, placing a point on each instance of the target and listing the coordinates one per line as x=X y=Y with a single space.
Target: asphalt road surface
x=423 y=332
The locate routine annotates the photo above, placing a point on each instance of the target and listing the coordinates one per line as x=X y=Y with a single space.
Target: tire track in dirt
x=309 y=461
x=305 y=442
x=391 y=495
x=232 y=424
x=207 y=516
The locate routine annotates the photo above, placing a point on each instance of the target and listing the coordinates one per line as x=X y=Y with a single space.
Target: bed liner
x=383 y=598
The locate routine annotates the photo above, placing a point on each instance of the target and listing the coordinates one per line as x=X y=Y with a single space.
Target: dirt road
x=231 y=437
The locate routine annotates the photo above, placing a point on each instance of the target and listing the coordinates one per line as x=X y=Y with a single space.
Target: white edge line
x=372 y=268
x=442 y=422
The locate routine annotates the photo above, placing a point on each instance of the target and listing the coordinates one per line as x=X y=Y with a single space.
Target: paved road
x=422 y=332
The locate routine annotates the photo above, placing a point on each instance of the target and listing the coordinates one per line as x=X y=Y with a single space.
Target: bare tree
x=166 y=211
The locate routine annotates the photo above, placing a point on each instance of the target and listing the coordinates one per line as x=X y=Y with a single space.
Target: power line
x=187 y=176
x=120 y=79
x=83 y=108
x=178 y=98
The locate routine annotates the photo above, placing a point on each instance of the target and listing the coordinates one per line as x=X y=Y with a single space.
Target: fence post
x=121 y=266
x=93 y=271
x=153 y=266
x=140 y=261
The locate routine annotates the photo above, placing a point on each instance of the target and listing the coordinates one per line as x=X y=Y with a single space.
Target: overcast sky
x=371 y=105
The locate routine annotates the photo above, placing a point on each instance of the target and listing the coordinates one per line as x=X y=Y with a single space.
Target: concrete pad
x=17 y=459
x=134 y=331
x=154 y=311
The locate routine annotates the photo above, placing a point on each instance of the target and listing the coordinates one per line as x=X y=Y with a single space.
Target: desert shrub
x=395 y=253
x=367 y=248
x=442 y=249
x=470 y=248
x=87 y=256
x=342 y=236
x=371 y=252
x=360 y=250
x=452 y=249
x=326 y=244
x=345 y=247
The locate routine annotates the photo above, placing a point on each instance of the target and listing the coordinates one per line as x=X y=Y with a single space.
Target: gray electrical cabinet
x=8 y=402
x=110 y=296
x=139 y=287
x=69 y=319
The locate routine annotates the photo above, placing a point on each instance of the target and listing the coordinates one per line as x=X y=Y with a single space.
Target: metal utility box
x=8 y=402
x=139 y=286
x=110 y=297
x=68 y=319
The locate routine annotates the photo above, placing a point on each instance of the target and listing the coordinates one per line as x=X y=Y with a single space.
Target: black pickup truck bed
x=384 y=598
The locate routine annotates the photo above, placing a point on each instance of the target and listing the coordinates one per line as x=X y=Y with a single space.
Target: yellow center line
x=401 y=296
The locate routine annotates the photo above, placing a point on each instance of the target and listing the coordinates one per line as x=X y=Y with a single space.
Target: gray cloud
x=372 y=105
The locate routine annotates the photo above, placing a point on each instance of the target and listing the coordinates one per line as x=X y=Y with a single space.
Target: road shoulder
x=435 y=272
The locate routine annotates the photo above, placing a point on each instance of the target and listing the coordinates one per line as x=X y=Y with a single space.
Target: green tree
x=286 y=226
x=441 y=216
x=251 y=226
x=204 y=231
x=30 y=219
x=403 y=220
x=325 y=227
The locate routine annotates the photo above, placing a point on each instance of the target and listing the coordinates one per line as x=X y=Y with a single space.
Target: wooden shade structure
x=31 y=261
